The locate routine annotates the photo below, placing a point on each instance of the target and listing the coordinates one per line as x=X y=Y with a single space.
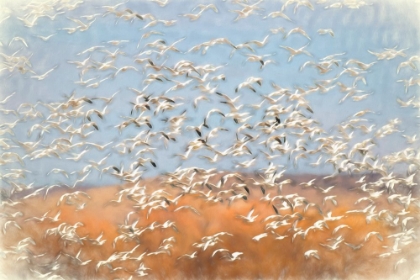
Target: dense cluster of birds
x=210 y=131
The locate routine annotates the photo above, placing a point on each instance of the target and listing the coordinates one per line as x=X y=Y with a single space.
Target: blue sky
x=373 y=27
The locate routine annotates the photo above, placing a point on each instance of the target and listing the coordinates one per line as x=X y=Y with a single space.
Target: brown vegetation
x=268 y=258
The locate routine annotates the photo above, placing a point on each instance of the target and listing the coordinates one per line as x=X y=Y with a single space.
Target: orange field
x=145 y=233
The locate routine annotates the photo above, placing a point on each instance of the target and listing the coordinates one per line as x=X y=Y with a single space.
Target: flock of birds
x=193 y=126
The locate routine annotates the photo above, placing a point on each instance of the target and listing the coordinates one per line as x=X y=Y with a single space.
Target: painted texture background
x=176 y=95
